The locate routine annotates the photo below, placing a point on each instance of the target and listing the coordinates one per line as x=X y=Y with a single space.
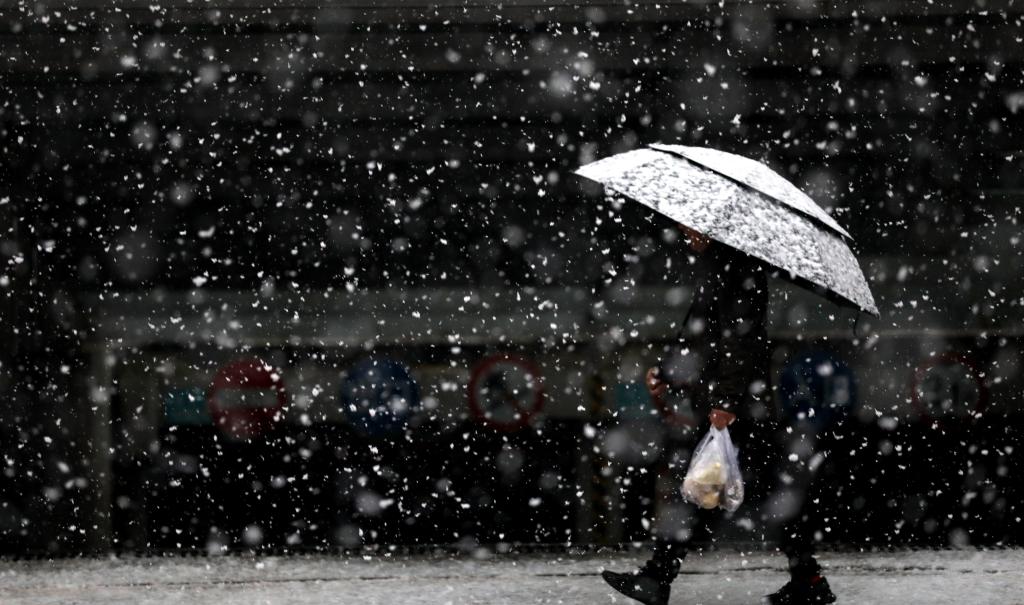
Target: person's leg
x=791 y=518
x=669 y=552
x=651 y=584
x=678 y=526
x=797 y=543
x=807 y=585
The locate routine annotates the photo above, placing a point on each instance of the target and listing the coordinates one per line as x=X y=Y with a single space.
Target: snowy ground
x=955 y=577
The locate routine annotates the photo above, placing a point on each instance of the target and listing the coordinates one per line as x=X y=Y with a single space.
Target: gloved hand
x=655 y=385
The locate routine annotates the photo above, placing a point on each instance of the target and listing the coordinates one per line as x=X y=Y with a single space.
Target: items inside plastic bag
x=714 y=478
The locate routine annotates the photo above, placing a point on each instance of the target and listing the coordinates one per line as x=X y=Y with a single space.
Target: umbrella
x=744 y=204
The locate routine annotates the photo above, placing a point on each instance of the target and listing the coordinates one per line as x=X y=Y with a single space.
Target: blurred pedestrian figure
x=728 y=316
x=759 y=222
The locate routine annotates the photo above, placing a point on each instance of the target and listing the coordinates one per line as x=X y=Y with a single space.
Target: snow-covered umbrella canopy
x=744 y=204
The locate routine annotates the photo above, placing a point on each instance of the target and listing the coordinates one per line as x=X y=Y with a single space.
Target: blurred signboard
x=186 y=406
x=379 y=396
x=948 y=386
x=506 y=392
x=818 y=386
x=631 y=401
x=246 y=398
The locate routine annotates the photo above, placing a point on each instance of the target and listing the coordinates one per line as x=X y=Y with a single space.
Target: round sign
x=948 y=385
x=246 y=398
x=506 y=392
x=817 y=386
x=379 y=396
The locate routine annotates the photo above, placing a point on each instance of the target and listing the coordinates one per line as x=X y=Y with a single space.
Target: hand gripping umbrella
x=744 y=204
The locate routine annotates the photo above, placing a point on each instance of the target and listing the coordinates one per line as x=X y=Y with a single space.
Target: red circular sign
x=506 y=392
x=246 y=398
x=948 y=385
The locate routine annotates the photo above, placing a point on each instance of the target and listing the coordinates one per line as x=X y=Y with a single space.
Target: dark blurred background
x=372 y=208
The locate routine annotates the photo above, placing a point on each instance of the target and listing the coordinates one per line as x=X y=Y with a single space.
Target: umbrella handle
x=856 y=322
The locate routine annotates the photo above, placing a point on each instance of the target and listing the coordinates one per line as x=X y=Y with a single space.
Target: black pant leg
x=793 y=526
x=665 y=560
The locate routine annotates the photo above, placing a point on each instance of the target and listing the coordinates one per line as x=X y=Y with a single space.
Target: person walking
x=728 y=316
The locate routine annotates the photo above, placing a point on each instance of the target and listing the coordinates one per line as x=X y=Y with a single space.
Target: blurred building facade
x=351 y=209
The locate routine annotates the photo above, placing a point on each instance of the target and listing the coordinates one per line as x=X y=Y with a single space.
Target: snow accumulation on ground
x=727 y=577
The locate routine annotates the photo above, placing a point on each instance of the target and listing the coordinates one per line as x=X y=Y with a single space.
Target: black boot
x=803 y=591
x=806 y=585
x=651 y=584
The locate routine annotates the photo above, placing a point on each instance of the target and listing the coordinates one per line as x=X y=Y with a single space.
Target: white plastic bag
x=714 y=478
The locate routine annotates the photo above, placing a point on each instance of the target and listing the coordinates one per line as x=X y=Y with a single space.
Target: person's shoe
x=640 y=585
x=813 y=590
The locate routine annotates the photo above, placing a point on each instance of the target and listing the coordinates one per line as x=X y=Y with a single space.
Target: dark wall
x=311 y=149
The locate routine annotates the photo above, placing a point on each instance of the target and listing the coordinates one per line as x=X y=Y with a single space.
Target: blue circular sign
x=818 y=387
x=378 y=396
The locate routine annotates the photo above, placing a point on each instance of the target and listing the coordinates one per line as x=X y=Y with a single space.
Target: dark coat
x=726 y=321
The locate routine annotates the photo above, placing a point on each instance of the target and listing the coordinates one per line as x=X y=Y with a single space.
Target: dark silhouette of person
x=728 y=316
